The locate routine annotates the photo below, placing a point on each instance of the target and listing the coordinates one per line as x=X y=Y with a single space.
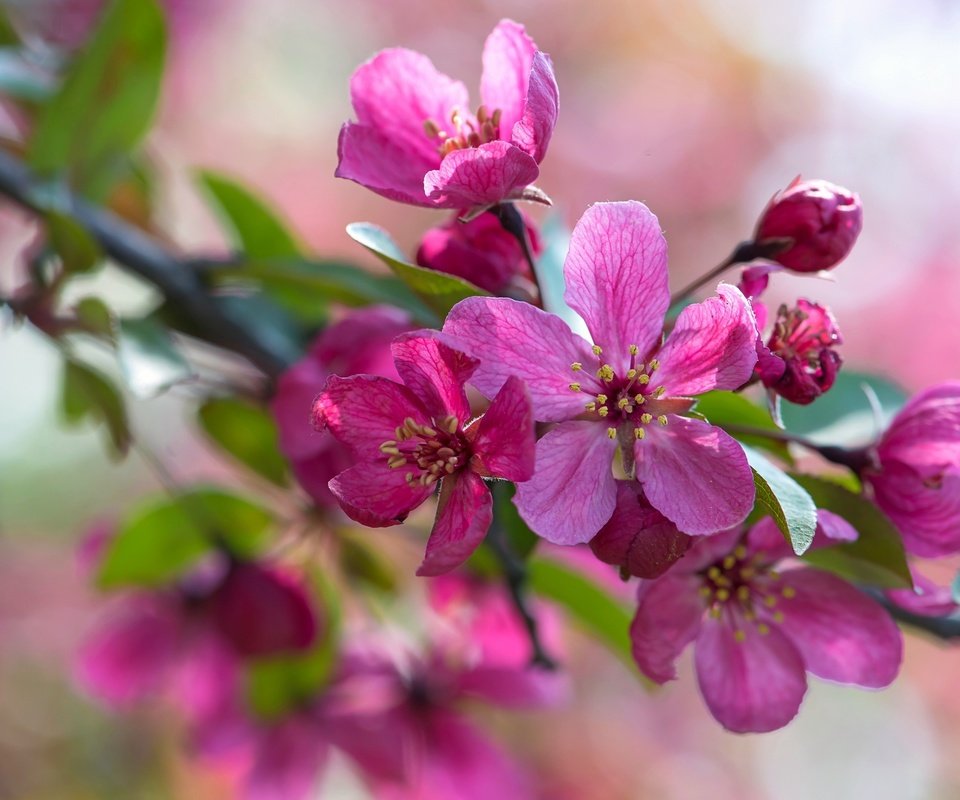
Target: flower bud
x=820 y=220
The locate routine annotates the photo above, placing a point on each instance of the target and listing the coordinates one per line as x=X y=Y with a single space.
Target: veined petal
x=370 y=158
x=480 y=176
x=616 y=273
x=842 y=634
x=463 y=517
x=696 y=475
x=533 y=132
x=434 y=371
x=572 y=492
x=926 y=431
x=924 y=509
x=712 y=346
x=926 y=598
x=506 y=434
x=377 y=496
x=669 y=615
x=514 y=338
x=753 y=685
x=507 y=60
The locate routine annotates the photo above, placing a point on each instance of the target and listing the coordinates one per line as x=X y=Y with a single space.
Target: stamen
x=482 y=114
x=646 y=419
x=623 y=402
x=740 y=551
x=389 y=450
x=495 y=119
x=605 y=373
x=575 y=387
x=576 y=366
x=739 y=636
x=654 y=364
x=449 y=424
x=431 y=128
x=728 y=562
x=611 y=433
x=743 y=593
x=770 y=601
x=713 y=572
x=591 y=406
x=603 y=411
x=662 y=419
x=396 y=461
x=659 y=392
x=763 y=629
x=597 y=350
x=778 y=617
x=643 y=379
x=705 y=591
x=631 y=374
x=723 y=595
x=639 y=433
x=788 y=592
x=639 y=399
x=602 y=398
x=634 y=349
x=715 y=612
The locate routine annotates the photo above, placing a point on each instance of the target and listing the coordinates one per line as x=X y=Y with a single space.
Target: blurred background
x=700 y=108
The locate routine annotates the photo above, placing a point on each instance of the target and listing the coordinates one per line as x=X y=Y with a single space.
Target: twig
x=743 y=253
x=945 y=628
x=511 y=220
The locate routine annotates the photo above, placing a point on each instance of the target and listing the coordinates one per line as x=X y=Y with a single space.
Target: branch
x=945 y=628
x=134 y=250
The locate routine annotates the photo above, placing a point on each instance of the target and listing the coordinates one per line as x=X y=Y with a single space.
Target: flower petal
x=842 y=634
x=463 y=517
x=514 y=338
x=696 y=475
x=924 y=510
x=506 y=435
x=434 y=371
x=287 y=760
x=926 y=431
x=533 y=132
x=376 y=495
x=370 y=158
x=480 y=176
x=926 y=598
x=669 y=616
x=616 y=274
x=712 y=346
x=507 y=60
x=572 y=492
x=750 y=686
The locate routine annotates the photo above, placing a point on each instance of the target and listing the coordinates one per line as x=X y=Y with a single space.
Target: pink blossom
x=926 y=598
x=916 y=475
x=757 y=630
x=359 y=342
x=627 y=391
x=821 y=221
x=479 y=251
x=800 y=362
x=408 y=437
x=416 y=140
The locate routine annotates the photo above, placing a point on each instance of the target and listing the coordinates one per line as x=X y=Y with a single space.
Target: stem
x=134 y=250
x=742 y=254
x=945 y=628
x=512 y=222
x=854 y=458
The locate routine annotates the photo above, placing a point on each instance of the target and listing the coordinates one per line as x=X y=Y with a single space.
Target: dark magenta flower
x=628 y=392
x=408 y=437
x=416 y=139
x=821 y=220
x=758 y=630
x=479 y=251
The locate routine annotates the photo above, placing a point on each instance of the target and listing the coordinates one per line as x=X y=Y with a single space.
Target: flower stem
x=854 y=458
x=511 y=220
x=743 y=253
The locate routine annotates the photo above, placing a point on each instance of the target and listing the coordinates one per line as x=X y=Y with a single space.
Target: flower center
x=430 y=452
x=464 y=131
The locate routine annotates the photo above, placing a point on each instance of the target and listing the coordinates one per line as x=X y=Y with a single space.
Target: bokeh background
x=700 y=108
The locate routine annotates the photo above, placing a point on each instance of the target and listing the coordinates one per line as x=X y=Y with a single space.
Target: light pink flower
x=627 y=391
x=916 y=475
x=358 y=343
x=416 y=140
x=757 y=630
x=408 y=437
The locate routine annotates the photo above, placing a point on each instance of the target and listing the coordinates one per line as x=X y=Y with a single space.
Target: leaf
x=161 y=541
x=77 y=249
x=437 y=289
x=95 y=315
x=248 y=433
x=360 y=561
x=785 y=500
x=730 y=409
x=148 y=359
x=107 y=100
x=549 y=271
x=877 y=558
x=87 y=393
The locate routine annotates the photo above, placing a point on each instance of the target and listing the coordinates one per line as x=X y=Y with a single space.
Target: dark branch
x=143 y=255
x=945 y=628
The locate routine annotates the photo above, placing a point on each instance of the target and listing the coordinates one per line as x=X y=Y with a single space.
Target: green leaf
x=148 y=359
x=107 y=100
x=95 y=315
x=785 y=500
x=521 y=539
x=87 y=393
x=360 y=561
x=248 y=433
x=162 y=540
x=437 y=289
x=877 y=558
x=77 y=249
x=730 y=409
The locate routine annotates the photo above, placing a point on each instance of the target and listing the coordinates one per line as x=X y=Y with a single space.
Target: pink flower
x=627 y=391
x=821 y=220
x=804 y=364
x=926 y=598
x=479 y=251
x=360 y=342
x=916 y=475
x=407 y=437
x=757 y=630
x=416 y=141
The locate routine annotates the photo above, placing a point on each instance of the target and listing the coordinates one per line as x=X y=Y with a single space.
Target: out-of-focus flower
x=821 y=220
x=408 y=437
x=626 y=391
x=915 y=477
x=479 y=251
x=358 y=343
x=804 y=363
x=416 y=140
x=926 y=598
x=757 y=630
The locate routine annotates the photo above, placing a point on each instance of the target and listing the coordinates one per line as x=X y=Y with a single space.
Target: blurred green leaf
x=438 y=290
x=785 y=500
x=248 y=433
x=877 y=558
x=149 y=361
x=360 y=561
x=77 y=249
x=95 y=315
x=157 y=543
x=521 y=539
x=87 y=393
x=729 y=409
x=107 y=100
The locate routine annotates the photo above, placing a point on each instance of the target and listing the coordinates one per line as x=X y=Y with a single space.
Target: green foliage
x=95 y=315
x=785 y=500
x=359 y=561
x=149 y=361
x=248 y=433
x=89 y=394
x=730 y=409
x=157 y=543
x=107 y=100
x=877 y=558
x=77 y=249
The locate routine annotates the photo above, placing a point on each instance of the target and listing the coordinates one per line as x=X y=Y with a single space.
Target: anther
x=639 y=399
x=597 y=349
x=426 y=430
x=778 y=617
x=623 y=402
x=770 y=601
x=396 y=461
x=788 y=592
x=654 y=364
x=605 y=373
x=602 y=398
x=713 y=572
x=631 y=374
x=715 y=612
x=389 y=450
x=639 y=433
x=743 y=593
x=576 y=366
x=634 y=349
x=603 y=411
x=611 y=433
x=591 y=406
x=482 y=114
x=449 y=424
x=643 y=379
x=646 y=419
x=740 y=551
x=575 y=387
x=662 y=419
x=739 y=636
x=659 y=392
x=431 y=128
x=449 y=467
x=723 y=595
x=728 y=562
x=763 y=629
x=495 y=119
x=705 y=591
